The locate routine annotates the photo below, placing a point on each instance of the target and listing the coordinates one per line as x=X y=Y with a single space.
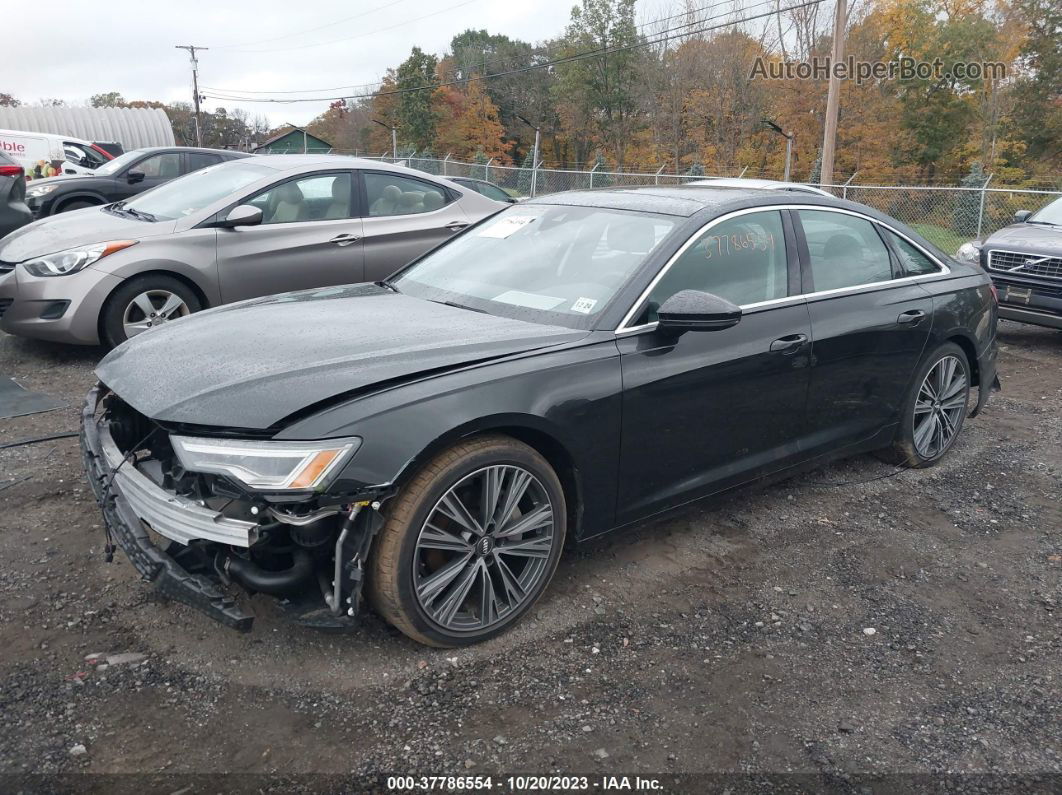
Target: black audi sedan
x=122 y=178
x=1024 y=260
x=571 y=365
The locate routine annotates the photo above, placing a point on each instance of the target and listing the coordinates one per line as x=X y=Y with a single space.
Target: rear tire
x=934 y=411
x=128 y=310
x=438 y=530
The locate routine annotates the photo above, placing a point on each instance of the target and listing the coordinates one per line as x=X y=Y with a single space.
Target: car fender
x=534 y=397
x=175 y=256
x=78 y=195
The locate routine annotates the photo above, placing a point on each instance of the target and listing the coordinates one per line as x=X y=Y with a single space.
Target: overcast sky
x=77 y=49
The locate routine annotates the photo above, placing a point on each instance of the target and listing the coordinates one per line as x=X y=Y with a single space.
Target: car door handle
x=790 y=344
x=912 y=317
x=345 y=240
x=454 y=226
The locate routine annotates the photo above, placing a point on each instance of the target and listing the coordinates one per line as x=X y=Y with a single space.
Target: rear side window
x=845 y=251
x=913 y=261
x=391 y=194
x=198 y=160
x=742 y=260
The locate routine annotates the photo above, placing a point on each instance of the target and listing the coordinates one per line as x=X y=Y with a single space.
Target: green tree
x=968 y=203
x=110 y=99
x=1038 y=90
x=416 y=78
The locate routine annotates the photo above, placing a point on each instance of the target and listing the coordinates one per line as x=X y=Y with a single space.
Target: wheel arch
x=182 y=278
x=533 y=431
x=970 y=349
x=63 y=201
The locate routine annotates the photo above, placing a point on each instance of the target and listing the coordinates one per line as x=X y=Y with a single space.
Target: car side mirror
x=1021 y=215
x=693 y=310
x=241 y=215
x=134 y=177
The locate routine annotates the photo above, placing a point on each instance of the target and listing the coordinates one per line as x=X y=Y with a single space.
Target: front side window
x=82 y=155
x=742 y=259
x=196 y=191
x=913 y=261
x=845 y=250
x=112 y=167
x=542 y=263
x=166 y=165
x=318 y=197
x=391 y=194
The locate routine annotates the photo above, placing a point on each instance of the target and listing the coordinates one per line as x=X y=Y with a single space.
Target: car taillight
x=11 y=171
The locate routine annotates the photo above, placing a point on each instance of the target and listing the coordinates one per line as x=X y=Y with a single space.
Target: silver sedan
x=237 y=230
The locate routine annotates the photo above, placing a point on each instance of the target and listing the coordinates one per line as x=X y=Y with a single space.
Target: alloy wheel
x=150 y=309
x=484 y=549
x=940 y=407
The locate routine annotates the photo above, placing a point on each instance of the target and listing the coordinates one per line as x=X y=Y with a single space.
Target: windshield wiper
x=1045 y=223
x=388 y=284
x=462 y=306
x=140 y=215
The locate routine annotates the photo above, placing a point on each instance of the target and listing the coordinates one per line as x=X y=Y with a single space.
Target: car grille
x=4 y=304
x=1025 y=264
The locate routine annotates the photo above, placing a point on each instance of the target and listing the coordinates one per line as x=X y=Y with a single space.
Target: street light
x=534 y=154
x=394 y=138
x=788 y=144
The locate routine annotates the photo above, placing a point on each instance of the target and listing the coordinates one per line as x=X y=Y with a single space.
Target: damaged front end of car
x=198 y=510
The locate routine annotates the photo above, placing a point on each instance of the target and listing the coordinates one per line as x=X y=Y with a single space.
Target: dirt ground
x=905 y=625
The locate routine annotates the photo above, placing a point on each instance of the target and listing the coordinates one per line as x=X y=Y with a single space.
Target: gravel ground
x=904 y=624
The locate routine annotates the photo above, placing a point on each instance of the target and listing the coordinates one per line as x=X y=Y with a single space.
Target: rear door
x=712 y=409
x=404 y=217
x=193 y=161
x=310 y=236
x=869 y=324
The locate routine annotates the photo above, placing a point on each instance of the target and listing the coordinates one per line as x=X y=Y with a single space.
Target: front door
x=404 y=218
x=869 y=328
x=308 y=237
x=713 y=409
x=157 y=168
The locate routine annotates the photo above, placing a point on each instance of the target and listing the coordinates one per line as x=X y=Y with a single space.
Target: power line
x=482 y=64
x=308 y=30
x=544 y=65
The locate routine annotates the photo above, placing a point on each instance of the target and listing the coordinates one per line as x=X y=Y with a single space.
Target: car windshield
x=545 y=264
x=120 y=162
x=192 y=192
x=1051 y=214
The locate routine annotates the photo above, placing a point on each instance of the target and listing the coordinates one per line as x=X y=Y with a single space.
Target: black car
x=1025 y=263
x=488 y=189
x=13 y=210
x=125 y=176
x=570 y=365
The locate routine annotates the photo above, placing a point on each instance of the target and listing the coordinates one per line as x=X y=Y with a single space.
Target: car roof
x=229 y=152
x=682 y=200
x=762 y=184
x=293 y=162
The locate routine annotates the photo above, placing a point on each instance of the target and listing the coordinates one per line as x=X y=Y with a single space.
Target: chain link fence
x=946 y=216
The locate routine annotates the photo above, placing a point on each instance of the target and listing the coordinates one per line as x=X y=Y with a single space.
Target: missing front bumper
x=120 y=502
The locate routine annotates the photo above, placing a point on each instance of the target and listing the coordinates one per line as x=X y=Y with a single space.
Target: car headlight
x=36 y=191
x=73 y=259
x=266 y=465
x=969 y=252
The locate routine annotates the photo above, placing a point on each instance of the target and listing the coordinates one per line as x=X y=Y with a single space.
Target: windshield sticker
x=584 y=305
x=530 y=300
x=506 y=226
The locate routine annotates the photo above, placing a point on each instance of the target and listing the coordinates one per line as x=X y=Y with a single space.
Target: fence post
x=445 y=160
x=981 y=212
x=596 y=164
x=656 y=179
x=486 y=170
x=746 y=168
x=844 y=188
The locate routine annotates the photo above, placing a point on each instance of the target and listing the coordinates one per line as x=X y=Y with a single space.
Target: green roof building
x=295 y=141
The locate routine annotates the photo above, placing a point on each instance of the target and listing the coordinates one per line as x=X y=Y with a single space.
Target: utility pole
x=788 y=145
x=833 y=97
x=534 y=154
x=195 y=85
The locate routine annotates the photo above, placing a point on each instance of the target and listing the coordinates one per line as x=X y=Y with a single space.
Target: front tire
x=935 y=409
x=470 y=543
x=144 y=303
x=76 y=204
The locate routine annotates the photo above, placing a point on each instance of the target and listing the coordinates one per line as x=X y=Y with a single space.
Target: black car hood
x=1027 y=238
x=252 y=364
x=76 y=228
